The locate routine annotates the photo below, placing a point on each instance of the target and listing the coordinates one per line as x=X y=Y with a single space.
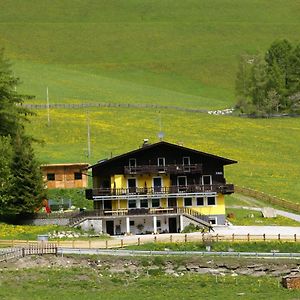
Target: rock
x=259 y=273
x=181 y=269
x=191 y=267
x=203 y=270
x=244 y=271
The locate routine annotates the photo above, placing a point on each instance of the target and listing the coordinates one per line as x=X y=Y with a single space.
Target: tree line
x=270 y=84
x=21 y=184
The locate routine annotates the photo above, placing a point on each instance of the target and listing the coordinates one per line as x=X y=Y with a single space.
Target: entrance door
x=110 y=227
x=131 y=185
x=207 y=182
x=182 y=183
x=172 y=225
x=157 y=184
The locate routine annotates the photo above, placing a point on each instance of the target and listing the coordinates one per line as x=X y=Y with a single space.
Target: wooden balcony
x=158 y=192
x=167 y=169
x=140 y=212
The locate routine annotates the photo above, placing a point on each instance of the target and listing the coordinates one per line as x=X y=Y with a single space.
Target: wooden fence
x=32 y=247
x=268 y=198
x=102 y=104
x=29 y=249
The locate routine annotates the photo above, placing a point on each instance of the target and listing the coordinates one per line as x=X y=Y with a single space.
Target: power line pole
x=48 y=107
x=88 y=134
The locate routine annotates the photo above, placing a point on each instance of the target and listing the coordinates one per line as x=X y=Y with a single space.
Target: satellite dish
x=161 y=135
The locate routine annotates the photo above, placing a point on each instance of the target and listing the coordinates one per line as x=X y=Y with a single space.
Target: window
x=212 y=221
x=155 y=203
x=77 y=176
x=132 y=162
x=200 y=201
x=211 y=200
x=186 y=161
x=144 y=203
x=131 y=203
x=131 y=223
x=158 y=223
x=50 y=176
x=187 y=201
x=161 y=161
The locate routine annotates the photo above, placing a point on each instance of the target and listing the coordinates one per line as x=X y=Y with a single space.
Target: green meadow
x=86 y=283
x=175 y=53
x=155 y=51
x=266 y=149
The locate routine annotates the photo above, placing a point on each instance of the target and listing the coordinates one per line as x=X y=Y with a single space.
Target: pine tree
x=12 y=114
x=5 y=173
x=27 y=188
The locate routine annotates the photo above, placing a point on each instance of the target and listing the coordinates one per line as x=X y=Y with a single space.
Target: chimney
x=145 y=142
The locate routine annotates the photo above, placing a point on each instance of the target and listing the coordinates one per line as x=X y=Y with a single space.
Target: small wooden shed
x=64 y=176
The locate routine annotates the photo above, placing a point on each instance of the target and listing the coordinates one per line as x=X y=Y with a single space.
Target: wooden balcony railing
x=163 y=191
x=168 y=169
x=139 y=212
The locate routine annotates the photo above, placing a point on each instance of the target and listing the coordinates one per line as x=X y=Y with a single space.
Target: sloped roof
x=225 y=161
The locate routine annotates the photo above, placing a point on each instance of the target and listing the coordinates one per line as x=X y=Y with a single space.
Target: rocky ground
x=161 y=264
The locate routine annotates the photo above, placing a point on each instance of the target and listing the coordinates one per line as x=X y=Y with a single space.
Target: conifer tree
x=27 y=189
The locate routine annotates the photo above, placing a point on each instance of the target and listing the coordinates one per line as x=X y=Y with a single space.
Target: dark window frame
x=209 y=199
x=202 y=199
x=188 y=199
x=155 y=206
x=50 y=176
x=77 y=176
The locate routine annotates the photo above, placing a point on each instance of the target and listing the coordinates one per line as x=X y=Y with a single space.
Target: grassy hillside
x=266 y=149
x=181 y=53
x=159 y=51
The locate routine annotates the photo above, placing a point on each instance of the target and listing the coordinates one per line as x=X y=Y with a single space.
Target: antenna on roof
x=160 y=134
x=88 y=134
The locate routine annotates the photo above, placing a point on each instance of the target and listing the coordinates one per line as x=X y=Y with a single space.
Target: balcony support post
x=127 y=225
x=180 y=223
x=155 y=224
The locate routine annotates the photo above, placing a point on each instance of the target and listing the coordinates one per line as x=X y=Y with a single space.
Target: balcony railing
x=159 y=191
x=167 y=169
x=139 y=212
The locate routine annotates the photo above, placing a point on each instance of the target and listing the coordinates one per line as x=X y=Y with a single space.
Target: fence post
x=233 y=237
x=278 y=236
x=106 y=244
x=295 y=237
x=264 y=237
x=122 y=243
x=248 y=237
x=185 y=238
x=217 y=236
x=139 y=241
x=23 y=252
x=171 y=238
x=155 y=239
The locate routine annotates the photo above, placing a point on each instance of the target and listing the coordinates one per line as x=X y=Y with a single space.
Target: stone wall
x=40 y=222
